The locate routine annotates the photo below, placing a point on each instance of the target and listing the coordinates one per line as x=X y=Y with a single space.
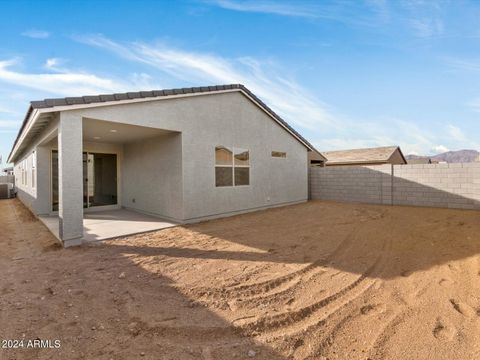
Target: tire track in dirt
x=377 y=350
x=296 y=281
x=317 y=329
x=284 y=295
x=328 y=340
x=289 y=318
x=250 y=291
x=299 y=316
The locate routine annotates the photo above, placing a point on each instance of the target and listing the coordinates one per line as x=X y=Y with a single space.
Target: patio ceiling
x=117 y=133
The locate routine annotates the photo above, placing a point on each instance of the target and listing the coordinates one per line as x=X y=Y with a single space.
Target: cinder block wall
x=368 y=184
x=7 y=179
x=436 y=185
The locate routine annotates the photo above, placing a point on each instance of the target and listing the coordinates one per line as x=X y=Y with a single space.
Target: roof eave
x=54 y=105
x=356 y=162
x=17 y=141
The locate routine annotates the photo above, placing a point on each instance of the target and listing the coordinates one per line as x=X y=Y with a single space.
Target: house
x=316 y=159
x=184 y=155
x=419 y=160
x=7 y=171
x=366 y=156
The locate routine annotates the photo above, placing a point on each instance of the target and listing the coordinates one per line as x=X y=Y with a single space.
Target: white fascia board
x=31 y=121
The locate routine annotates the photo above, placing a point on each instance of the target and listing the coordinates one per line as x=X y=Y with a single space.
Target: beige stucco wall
x=36 y=198
x=205 y=121
x=152 y=176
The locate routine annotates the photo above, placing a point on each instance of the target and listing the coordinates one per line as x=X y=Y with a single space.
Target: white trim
x=232 y=166
x=36 y=112
x=31 y=120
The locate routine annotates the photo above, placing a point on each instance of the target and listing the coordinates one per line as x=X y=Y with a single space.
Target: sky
x=345 y=74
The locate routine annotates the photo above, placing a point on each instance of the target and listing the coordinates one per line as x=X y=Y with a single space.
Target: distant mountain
x=460 y=156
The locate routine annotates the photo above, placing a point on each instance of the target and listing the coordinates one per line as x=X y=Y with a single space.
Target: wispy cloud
x=440 y=149
x=53 y=64
x=63 y=81
x=474 y=105
x=36 y=34
x=9 y=124
x=456 y=133
x=425 y=18
x=327 y=128
x=369 y=13
x=289 y=99
x=268 y=7
x=461 y=137
x=472 y=65
x=427 y=27
x=4 y=109
x=383 y=131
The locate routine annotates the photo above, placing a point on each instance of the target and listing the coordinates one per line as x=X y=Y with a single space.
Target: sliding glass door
x=99 y=179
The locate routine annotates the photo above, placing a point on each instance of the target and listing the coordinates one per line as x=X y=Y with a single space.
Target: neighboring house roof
x=362 y=156
x=315 y=156
x=419 y=161
x=59 y=104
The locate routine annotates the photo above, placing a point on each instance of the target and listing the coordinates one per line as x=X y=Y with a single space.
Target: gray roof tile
x=91 y=99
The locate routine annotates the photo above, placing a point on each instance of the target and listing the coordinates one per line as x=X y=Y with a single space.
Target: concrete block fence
x=435 y=185
x=7 y=179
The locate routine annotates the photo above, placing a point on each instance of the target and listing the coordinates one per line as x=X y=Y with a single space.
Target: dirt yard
x=311 y=281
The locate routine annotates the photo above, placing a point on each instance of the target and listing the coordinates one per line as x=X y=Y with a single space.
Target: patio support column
x=43 y=205
x=70 y=179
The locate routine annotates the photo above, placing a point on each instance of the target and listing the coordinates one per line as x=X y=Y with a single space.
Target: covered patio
x=102 y=225
x=98 y=182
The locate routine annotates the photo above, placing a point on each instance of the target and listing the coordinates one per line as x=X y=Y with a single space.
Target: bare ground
x=312 y=281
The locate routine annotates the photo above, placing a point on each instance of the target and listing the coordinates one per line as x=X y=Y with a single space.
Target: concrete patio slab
x=104 y=225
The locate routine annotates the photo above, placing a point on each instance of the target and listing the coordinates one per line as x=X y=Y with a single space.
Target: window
x=26 y=171
x=241 y=167
x=279 y=154
x=34 y=160
x=23 y=172
x=232 y=166
x=223 y=166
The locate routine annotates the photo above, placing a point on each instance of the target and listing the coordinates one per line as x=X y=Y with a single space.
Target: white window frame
x=23 y=171
x=34 y=158
x=233 y=165
x=241 y=166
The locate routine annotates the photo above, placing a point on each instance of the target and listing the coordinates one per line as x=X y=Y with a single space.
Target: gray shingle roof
x=92 y=99
x=83 y=100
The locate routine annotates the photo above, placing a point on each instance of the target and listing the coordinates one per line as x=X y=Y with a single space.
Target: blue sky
x=343 y=73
